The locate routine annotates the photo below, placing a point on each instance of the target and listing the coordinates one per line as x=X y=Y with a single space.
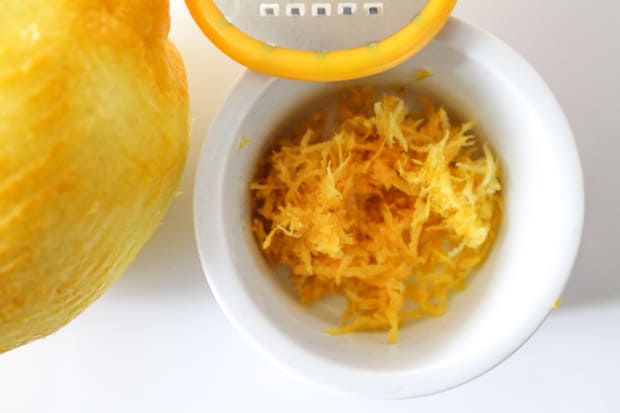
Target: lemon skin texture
x=93 y=140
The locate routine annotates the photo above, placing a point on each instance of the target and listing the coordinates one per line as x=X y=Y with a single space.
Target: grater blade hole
x=321 y=9
x=295 y=10
x=374 y=9
x=346 y=9
x=269 y=10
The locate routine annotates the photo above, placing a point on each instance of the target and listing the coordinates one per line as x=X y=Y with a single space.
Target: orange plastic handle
x=321 y=66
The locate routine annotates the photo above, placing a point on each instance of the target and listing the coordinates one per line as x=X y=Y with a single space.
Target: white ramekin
x=479 y=77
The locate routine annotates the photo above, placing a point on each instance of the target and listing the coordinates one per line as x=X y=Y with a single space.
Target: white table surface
x=157 y=341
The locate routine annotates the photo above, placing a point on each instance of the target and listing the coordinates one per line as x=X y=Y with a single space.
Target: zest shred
x=392 y=211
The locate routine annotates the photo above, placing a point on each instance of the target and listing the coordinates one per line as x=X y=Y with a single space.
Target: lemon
x=93 y=141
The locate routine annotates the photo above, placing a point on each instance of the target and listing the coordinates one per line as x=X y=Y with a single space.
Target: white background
x=157 y=342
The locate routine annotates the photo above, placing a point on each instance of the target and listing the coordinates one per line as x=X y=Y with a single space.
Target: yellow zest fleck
x=392 y=211
x=557 y=303
x=423 y=74
x=243 y=143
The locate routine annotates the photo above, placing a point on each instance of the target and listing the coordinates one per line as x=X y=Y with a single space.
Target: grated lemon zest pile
x=392 y=211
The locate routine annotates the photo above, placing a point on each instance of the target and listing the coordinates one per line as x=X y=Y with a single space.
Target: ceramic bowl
x=477 y=77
